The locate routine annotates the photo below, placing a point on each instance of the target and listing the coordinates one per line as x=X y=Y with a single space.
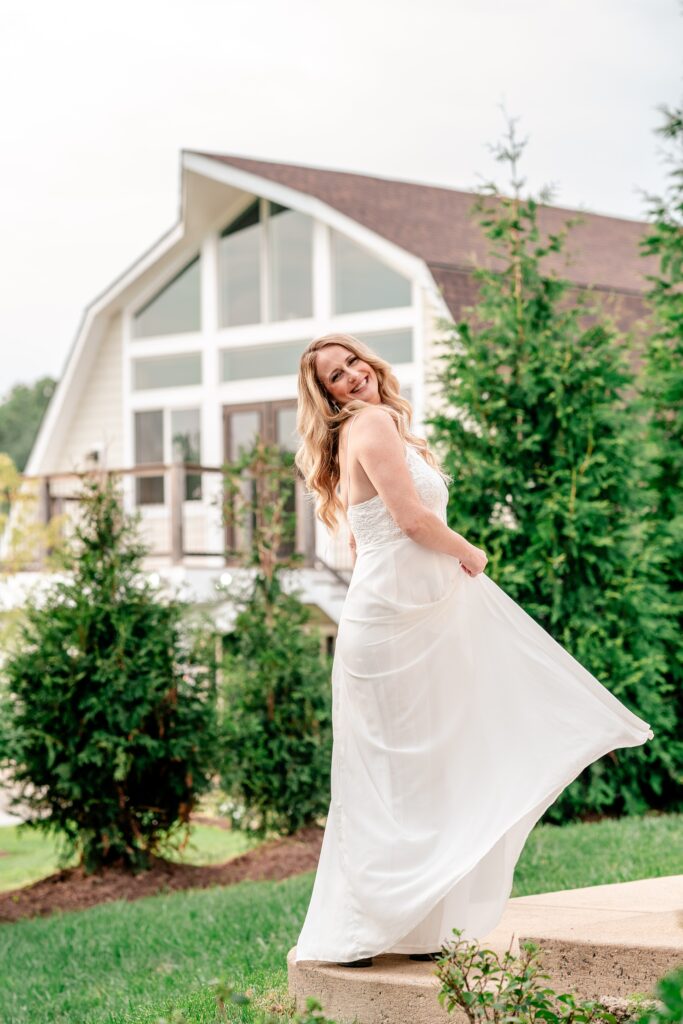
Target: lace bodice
x=371 y=522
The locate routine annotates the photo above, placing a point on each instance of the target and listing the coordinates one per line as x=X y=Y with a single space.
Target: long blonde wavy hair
x=319 y=420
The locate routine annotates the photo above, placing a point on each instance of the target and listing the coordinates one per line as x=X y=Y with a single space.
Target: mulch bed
x=72 y=889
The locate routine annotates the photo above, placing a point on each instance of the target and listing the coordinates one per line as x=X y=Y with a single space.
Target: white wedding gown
x=457 y=721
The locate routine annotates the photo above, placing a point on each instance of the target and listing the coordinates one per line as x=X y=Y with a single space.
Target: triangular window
x=173 y=310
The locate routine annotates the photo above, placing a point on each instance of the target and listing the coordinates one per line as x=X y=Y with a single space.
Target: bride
x=457 y=720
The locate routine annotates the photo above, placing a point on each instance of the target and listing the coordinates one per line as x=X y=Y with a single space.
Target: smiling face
x=345 y=376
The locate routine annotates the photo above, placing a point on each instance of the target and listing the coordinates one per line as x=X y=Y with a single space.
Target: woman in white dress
x=457 y=720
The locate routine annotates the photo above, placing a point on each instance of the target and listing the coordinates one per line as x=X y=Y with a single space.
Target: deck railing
x=172 y=528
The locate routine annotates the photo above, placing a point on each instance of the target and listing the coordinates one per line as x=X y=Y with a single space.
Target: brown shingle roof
x=435 y=224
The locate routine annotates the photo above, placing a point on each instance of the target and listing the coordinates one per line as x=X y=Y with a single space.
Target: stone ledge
x=605 y=941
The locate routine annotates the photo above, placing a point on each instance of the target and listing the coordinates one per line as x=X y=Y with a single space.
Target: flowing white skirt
x=457 y=721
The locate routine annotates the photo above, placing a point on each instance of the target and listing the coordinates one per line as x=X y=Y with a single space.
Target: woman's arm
x=380 y=451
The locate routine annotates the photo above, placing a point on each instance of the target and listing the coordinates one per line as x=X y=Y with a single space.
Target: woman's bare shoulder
x=373 y=422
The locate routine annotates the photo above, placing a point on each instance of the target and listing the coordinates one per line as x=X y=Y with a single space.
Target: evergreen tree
x=277 y=721
x=108 y=723
x=662 y=381
x=550 y=479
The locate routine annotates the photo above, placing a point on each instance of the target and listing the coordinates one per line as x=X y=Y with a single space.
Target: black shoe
x=425 y=956
x=365 y=961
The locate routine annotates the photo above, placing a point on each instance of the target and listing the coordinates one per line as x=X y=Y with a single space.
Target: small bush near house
x=276 y=723
x=108 y=722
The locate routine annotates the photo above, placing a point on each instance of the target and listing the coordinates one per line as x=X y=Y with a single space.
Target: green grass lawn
x=133 y=963
x=27 y=855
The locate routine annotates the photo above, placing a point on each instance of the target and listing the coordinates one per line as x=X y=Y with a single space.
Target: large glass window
x=362 y=282
x=239 y=270
x=394 y=346
x=173 y=310
x=290 y=254
x=167 y=371
x=261 y=361
x=149 y=448
x=186 y=447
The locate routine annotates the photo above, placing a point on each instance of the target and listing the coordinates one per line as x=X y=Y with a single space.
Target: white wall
x=96 y=421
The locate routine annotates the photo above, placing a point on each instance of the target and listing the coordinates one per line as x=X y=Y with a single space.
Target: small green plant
x=487 y=988
x=669 y=993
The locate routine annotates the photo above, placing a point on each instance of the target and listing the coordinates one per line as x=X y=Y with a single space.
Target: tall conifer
x=550 y=479
x=662 y=382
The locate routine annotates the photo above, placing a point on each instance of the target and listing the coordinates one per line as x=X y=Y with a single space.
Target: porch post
x=177 y=495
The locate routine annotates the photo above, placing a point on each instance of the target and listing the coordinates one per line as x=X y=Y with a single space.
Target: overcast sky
x=98 y=99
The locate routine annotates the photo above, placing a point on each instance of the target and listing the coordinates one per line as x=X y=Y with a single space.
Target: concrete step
x=601 y=942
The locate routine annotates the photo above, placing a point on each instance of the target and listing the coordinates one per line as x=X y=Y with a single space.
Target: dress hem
x=551 y=795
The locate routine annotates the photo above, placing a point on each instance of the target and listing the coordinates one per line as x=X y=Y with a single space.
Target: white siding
x=96 y=419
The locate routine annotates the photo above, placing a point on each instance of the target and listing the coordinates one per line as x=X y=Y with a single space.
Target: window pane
x=173 y=310
x=243 y=430
x=362 y=282
x=245 y=427
x=149 y=448
x=261 y=361
x=186 y=447
x=394 y=346
x=167 y=371
x=239 y=270
x=290 y=253
x=285 y=428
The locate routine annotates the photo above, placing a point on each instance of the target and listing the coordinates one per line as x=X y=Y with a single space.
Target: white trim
x=190 y=396
x=322 y=271
x=166 y=345
x=368 y=321
x=264 y=261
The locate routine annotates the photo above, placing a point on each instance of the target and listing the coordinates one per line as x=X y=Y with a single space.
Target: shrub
x=552 y=479
x=662 y=383
x=108 y=729
x=276 y=722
